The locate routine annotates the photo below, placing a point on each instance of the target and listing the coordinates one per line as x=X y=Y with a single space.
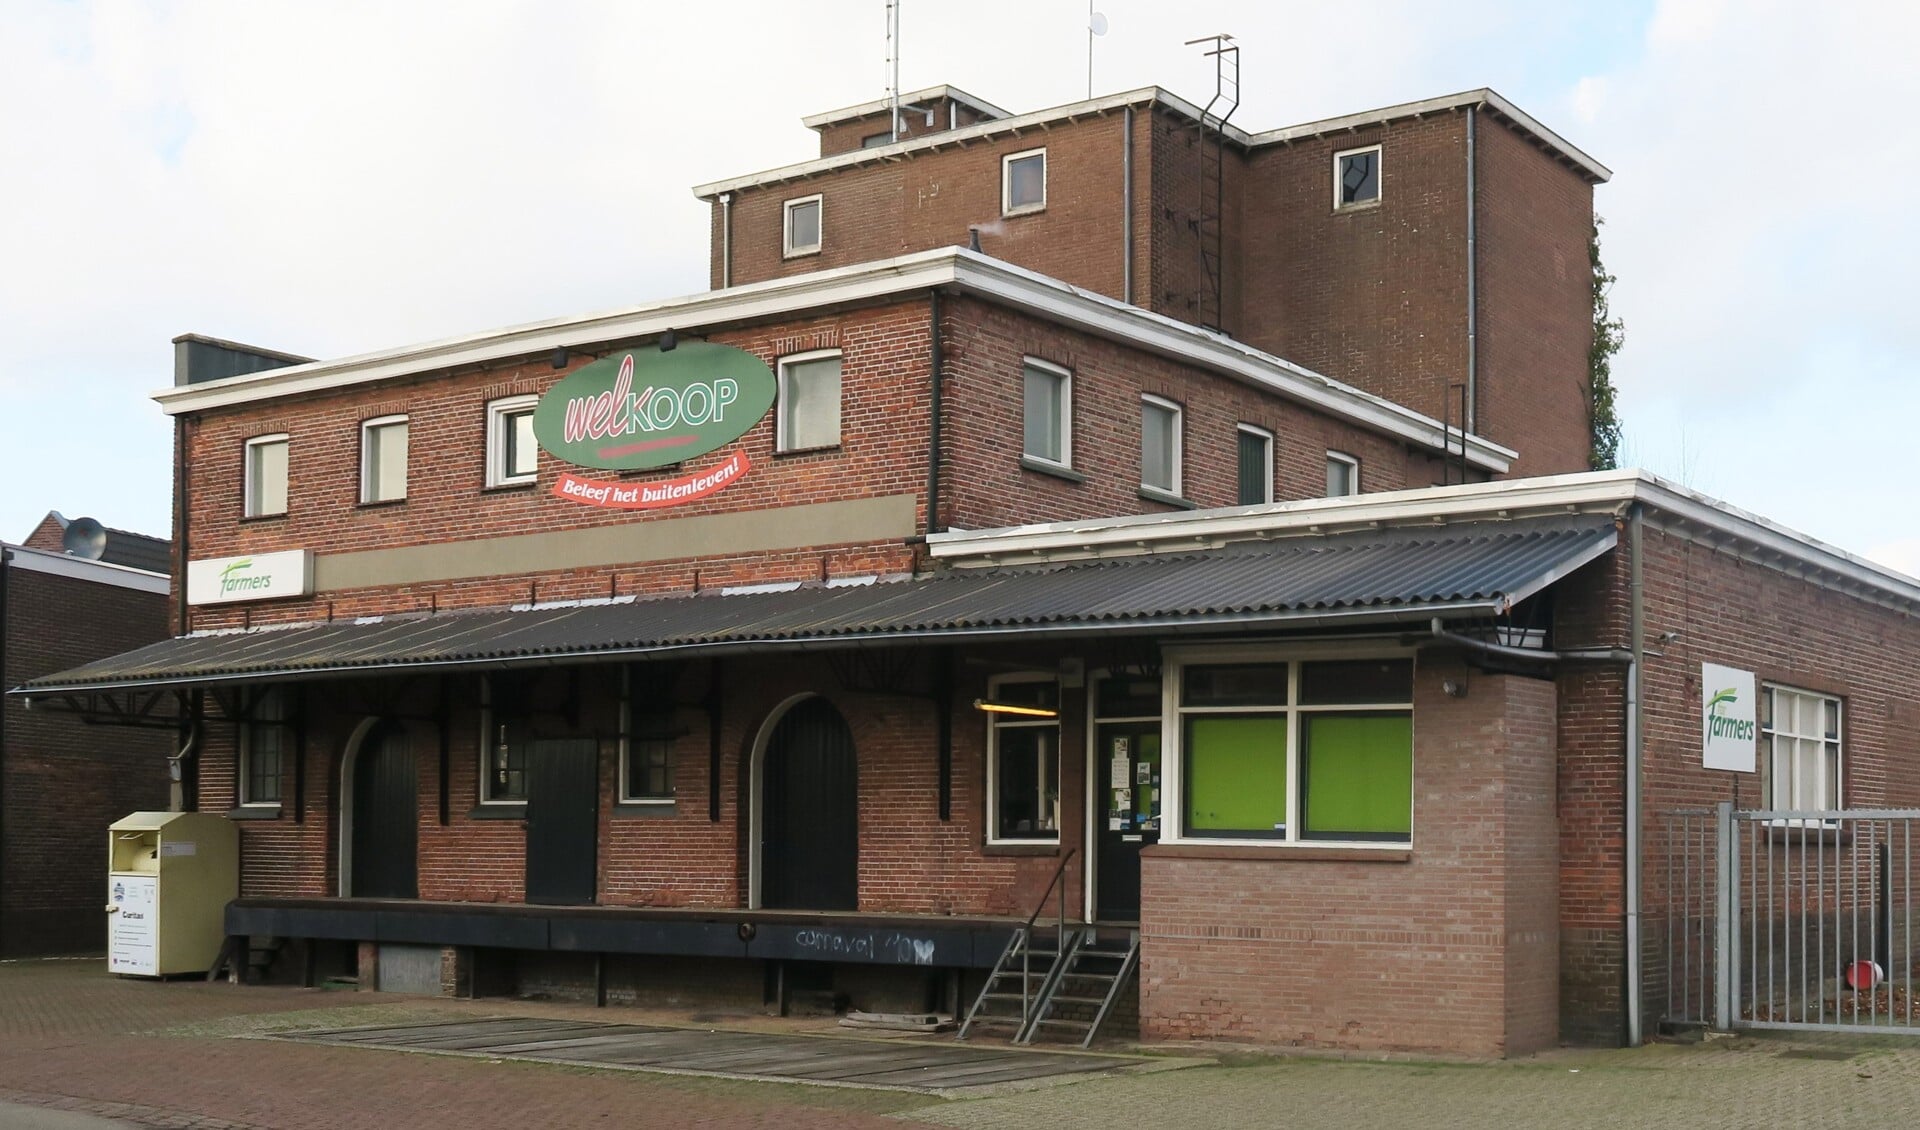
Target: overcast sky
x=333 y=178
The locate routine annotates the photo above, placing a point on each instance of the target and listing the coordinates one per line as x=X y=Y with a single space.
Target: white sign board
x=255 y=576
x=132 y=940
x=1728 y=716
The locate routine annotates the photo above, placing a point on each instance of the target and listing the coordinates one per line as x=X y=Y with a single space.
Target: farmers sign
x=645 y=408
x=1727 y=729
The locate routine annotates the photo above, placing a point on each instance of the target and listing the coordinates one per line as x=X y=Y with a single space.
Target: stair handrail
x=1060 y=936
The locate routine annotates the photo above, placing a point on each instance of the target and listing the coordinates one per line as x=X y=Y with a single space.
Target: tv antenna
x=84 y=538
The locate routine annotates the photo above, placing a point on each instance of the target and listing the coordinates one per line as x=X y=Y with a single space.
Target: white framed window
x=1343 y=474
x=1160 y=440
x=1265 y=749
x=383 y=459
x=809 y=415
x=1799 y=749
x=265 y=490
x=1048 y=428
x=1356 y=177
x=262 y=767
x=1023 y=182
x=1255 y=464
x=801 y=225
x=513 y=455
x=1023 y=759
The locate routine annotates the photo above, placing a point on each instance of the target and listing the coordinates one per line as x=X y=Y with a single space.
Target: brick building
x=62 y=781
x=815 y=633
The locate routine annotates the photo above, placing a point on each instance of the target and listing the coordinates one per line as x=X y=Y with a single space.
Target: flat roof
x=883 y=105
x=954 y=269
x=1483 y=97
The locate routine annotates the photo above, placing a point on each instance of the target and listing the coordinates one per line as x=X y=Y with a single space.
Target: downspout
x=1126 y=211
x=1635 y=726
x=182 y=497
x=937 y=365
x=177 y=768
x=6 y=569
x=1472 y=422
x=726 y=240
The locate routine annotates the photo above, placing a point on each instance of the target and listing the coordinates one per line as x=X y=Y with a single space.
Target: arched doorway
x=809 y=827
x=381 y=830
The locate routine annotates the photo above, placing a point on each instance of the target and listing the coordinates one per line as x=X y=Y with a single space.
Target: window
x=809 y=401
x=1256 y=465
x=512 y=452
x=1356 y=177
x=1343 y=475
x=876 y=140
x=1318 y=750
x=1023 y=182
x=1023 y=760
x=503 y=743
x=1160 y=445
x=1049 y=411
x=266 y=476
x=801 y=228
x=263 y=747
x=1799 y=749
x=383 y=459
x=646 y=747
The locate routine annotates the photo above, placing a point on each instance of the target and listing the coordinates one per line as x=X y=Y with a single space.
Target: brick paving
x=76 y=1043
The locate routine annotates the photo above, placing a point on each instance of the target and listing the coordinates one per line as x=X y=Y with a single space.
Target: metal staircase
x=1060 y=978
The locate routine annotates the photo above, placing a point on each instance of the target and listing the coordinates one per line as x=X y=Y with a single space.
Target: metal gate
x=1801 y=920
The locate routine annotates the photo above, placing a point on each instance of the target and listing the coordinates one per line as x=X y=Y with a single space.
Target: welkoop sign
x=646 y=408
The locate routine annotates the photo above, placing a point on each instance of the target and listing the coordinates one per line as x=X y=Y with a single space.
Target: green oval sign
x=643 y=408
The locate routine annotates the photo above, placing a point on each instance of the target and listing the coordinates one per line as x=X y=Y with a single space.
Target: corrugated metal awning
x=1404 y=574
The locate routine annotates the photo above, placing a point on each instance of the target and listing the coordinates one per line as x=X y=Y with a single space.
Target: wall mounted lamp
x=987 y=707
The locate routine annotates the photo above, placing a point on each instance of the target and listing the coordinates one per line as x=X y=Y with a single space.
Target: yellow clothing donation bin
x=171 y=875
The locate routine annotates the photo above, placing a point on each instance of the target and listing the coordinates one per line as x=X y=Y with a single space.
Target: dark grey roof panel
x=1486 y=565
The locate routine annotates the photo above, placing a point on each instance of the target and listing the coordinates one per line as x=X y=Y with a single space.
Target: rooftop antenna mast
x=1096 y=25
x=893 y=64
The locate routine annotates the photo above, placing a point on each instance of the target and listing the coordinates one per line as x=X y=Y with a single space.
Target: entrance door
x=809 y=813
x=563 y=820
x=385 y=817
x=1128 y=754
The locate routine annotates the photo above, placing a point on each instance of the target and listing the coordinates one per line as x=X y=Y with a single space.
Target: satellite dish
x=1097 y=23
x=84 y=538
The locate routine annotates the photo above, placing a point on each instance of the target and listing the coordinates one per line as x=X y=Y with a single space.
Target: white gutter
x=85 y=569
x=952 y=267
x=1668 y=505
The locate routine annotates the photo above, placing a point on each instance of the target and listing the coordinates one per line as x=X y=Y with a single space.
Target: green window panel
x=1357 y=776
x=1236 y=775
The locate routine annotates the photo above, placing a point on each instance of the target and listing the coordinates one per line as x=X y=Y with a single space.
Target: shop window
x=1049 y=412
x=1343 y=475
x=1023 y=759
x=801 y=226
x=809 y=416
x=263 y=748
x=1023 y=182
x=1799 y=749
x=1160 y=427
x=266 y=476
x=1256 y=465
x=512 y=452
x=383 y=459
x=1356 y=177
x=1296 y=751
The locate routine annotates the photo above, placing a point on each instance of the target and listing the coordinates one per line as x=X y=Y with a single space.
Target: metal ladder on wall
x=1209 y=217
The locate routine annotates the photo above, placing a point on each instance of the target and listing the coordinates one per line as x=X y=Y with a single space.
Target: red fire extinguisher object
x=1863 y=975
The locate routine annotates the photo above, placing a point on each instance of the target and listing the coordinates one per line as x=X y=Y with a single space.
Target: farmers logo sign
x=1727 y=721
x=644 y=408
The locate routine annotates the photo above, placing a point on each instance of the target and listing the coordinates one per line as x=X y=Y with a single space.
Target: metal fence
x=1779 y=919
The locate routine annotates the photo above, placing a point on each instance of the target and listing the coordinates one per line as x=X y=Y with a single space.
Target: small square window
x=266 y=475
x=1256 y=465
x=802 y=227
x=1023 y=182
x=1049 y=410
x=1160 y=445
x=648 y=772
x=383 y=459
x=1356 y=177
x=809 y=402
x=512 y=452
x=1343 y=475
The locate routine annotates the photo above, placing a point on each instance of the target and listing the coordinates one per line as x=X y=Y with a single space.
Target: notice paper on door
x=1120 y=770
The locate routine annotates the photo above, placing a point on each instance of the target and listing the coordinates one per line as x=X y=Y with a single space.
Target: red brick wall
x=1450 y=949
x=65 y=781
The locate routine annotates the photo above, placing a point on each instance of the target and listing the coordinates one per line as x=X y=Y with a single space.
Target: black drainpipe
x=181 y=499
x=6 y=568
x=933 y=424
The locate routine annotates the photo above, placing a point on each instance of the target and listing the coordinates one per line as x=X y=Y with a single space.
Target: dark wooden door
x=386 y=817
x=809 y=822
x=1129 y=805
x=563 y=820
